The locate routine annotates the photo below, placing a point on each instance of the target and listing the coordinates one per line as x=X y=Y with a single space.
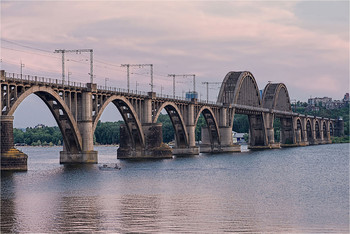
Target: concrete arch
x=239 y=88
x=276 y=97
x=317 y=127
x=331 y=129
x=299 y=127
x=212 y=123
x=325 y=130
x=309 y=129
x=129 y=115
x=65 y=120
x=177 y=121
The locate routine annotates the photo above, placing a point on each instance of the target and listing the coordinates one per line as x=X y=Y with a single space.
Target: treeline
x=107 y=133
x=38 y=136
x=333 y=114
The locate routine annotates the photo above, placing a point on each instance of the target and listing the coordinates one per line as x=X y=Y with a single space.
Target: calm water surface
x=302 y=190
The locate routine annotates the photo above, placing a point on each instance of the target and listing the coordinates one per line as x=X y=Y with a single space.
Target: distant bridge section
x=77 y=108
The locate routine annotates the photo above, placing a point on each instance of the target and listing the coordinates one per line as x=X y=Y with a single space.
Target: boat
x=106 y=167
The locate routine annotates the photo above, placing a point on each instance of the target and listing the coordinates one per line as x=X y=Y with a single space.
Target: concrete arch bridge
x=77 y=108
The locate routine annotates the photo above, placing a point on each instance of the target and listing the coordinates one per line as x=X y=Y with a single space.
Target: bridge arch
x=325 y=130
x=69 y=129
x=299 y=127
x=129 y=116
x=276 y=97
x=212 y=124
x=239 y=88
x=309 y=130
x=331 y=129
x=317 y=130
x=177 y=121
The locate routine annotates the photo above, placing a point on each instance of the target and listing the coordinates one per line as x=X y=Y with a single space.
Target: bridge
x=77 y=108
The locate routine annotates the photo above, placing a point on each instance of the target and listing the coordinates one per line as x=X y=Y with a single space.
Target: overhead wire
x=97 y=62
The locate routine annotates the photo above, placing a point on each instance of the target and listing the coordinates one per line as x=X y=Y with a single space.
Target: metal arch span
x=239 y=88
x=212 y=124
x=276 y=97
x=177 y=121
x=61 y=112
x=129 y=115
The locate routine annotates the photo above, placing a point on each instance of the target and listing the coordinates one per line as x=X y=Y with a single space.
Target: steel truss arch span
x=239 y=88
x=276 y=97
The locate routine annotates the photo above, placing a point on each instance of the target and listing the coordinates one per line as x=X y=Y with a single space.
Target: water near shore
x=302 y=190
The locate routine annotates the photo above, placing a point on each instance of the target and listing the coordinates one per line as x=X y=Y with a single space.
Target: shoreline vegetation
x=107 y=133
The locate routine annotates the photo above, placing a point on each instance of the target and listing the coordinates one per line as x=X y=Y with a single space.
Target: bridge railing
x=120 y=90
x=42 y=80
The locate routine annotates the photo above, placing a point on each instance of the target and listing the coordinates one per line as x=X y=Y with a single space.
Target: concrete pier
x=154 y=148
x=11 y=159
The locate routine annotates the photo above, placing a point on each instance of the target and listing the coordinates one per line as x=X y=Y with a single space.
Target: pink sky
x=302 y=44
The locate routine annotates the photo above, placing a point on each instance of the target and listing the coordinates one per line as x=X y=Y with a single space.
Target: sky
x=303 y=44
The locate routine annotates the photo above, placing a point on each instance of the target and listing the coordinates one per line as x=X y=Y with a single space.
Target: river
x=290 y=190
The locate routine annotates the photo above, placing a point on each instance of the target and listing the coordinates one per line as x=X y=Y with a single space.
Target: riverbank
x=343 y=139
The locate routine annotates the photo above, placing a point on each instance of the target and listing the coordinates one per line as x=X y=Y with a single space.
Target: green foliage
x=107 y=133
x=246 y=137
x=198 y=131
x=241 y=123
x=277 y=129
x=38 y=136
x=333 y=114
x=344 y=139
x=167 y=128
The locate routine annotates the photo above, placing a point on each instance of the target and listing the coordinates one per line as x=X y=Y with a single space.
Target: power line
x=139 y=66
x=77 y=51
x=29 y=47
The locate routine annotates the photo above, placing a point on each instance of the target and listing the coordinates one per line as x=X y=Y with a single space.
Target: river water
x=303 y=190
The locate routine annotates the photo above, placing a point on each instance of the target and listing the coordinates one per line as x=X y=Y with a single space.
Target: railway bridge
x=77 y=108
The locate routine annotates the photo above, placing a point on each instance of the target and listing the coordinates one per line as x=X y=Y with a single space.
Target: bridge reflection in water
x=77 y=108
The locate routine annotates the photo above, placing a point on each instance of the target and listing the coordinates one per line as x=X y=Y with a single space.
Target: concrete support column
x=147 y=111
x=87 y=155
x=270 y=132
x=85 y=124
x=11 y=158
x=154 y=146
x=7 y=141
x=227 y=144
x=298 y=135
x=223 y=117
x=287 y=132
x=191 y=135
x=191 y=148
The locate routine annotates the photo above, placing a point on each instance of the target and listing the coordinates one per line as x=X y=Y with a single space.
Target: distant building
x=319 y=101
x=191 y=95
x=238 y=137
x=40 y=126
x=327 y=102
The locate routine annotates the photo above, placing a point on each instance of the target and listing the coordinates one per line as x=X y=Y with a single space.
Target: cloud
x=275 y=40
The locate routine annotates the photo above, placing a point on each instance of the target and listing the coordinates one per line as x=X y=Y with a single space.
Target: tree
x=240 y=123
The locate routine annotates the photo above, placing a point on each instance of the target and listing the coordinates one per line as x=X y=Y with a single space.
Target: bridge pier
x=226 y=144
x=258 y=134
x=154 y=146
x=11 y=159
x=87 y=153
x=288 y=138
x=191 y=148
